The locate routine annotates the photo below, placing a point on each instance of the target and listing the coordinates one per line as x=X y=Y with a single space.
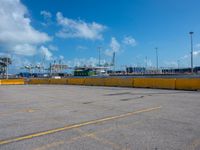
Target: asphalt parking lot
x=45 y=117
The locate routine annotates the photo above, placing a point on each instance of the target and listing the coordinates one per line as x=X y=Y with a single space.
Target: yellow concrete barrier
x=38 y=81
x=75 y=81
x=125 y=82
x=94 y=81
x=160 y=83
x=144 y=82
x=111 y=82
x=121 y=82
x=57 y=81
x=188 y=84
x=12 y=81
x=165 y=83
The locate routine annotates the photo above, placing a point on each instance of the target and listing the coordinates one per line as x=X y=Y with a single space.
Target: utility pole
x=191 y=38
x=156 y=58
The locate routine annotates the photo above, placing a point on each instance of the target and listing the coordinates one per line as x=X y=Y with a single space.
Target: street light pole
x=156 y=59
x=178 y=64
x=191 y=33
x=99 y=48
x=146 y=62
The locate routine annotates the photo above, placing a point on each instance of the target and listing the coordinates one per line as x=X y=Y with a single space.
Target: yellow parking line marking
x=68 y=127
x=74 y=139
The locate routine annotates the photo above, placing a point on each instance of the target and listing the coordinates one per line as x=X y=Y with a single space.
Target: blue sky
x=72 y=30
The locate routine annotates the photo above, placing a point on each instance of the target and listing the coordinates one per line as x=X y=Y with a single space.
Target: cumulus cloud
x=113 y=47
x=16 y=33
x=89 y=62
x=79 y=28
x=47 y=17
x=53 y=48
x=129 y=40
x=46 y=14
x=20 y=49
x=46 y=53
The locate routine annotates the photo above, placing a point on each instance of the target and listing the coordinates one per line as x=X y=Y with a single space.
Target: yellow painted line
x=68 y=127
x=74 y=139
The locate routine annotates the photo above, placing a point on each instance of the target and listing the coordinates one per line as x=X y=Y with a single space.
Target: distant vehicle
x=32 y=75
x=24 y=75
x=84 y=72
x=56 y=77
x=181 y=70
x=90 y=71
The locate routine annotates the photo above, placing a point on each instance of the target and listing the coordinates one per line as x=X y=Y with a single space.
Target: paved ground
x=45 y=117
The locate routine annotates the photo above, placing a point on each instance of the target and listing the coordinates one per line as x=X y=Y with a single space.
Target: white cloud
x=25 y=49
x=195 y=54
x=81 y=47
x=185 y=61
x=89 y=62
x=46 y=53
x=61 y=57
x=53 y=48
x=16 y=33
x=114 y=47
x=47 y=17
x=79 y=29
x=19 y=61
x=46 y=14
x=129 y=40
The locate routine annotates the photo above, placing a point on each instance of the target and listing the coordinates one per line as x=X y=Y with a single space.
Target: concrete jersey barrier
x=157 y=83
x=12 y=82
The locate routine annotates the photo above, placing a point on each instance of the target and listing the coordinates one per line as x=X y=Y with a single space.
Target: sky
x=72 y=31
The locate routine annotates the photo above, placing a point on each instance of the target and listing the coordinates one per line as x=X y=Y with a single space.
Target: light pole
x=146 y=63
x=99 y=48
x=178 y=64
x=191 y=33
x=156 y=58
